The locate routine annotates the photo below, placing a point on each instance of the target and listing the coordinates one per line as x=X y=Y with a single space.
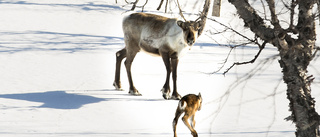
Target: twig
x=233 y=30
x=180 y=11
x=247 y=62
x=315 y=52
x=224 y=62
x=217 y=32
x=255 y=41
x=222 y=100
x=135 y=4
x=161 y=5
x=226 y=59
x=142 y=7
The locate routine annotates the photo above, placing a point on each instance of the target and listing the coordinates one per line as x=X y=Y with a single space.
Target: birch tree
x=295 y=53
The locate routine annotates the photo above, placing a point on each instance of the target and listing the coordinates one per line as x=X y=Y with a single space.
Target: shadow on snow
x=86 y=7
x=14 y=42
x=64 y=100
x=55 y=99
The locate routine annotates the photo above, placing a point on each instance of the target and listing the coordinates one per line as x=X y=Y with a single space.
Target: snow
x=57 y=63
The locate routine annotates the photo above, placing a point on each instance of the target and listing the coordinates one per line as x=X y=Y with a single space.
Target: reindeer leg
x=193 y=124
x=175 y=121
x=185 y=119
x=128 y=62
x=174 y=64
x=120 y=55
x=166 y=87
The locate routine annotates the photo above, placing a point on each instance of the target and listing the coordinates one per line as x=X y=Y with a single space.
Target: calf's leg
x=193 y=122
x=175 y=121
x=185 y=119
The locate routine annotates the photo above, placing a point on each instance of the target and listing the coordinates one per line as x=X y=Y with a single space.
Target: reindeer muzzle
x=190 y=42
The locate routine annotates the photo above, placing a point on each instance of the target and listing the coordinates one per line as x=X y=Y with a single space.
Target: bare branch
x=251 y=40
x=255 y=41
x=292 y=12
x=227 y=58
x=142 y=7
x=221 y=101
x=161 y=5
x=318 y=3
x=253 y=20
x=203 y=16
x=134 y=4
x=180 y=11
x=274 y=18
x=247 y=62
x=315 y=52
x=217 y=32
x=264 y=9
x=224 y=62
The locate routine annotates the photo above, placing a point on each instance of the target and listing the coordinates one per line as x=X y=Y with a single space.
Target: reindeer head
x=190 y=30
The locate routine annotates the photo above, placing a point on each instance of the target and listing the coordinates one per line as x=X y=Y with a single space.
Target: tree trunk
x=294 y=62
x=295 y=54
x=203 y=16
x=216 y=8
x=294 y=68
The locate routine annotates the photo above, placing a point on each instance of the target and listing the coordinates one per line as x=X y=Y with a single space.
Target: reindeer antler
x=203 y=15
x=180 y=11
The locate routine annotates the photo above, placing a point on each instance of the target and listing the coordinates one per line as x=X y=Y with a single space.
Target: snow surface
x=57 y=63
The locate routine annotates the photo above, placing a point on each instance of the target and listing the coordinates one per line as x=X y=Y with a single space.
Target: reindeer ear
x=199 y=95
x=180 y=23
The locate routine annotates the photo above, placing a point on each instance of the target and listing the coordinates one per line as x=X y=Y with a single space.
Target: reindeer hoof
x=175 y=97
x=117 y=86
x=194 y=134
x=134 y=92
x=165 y=95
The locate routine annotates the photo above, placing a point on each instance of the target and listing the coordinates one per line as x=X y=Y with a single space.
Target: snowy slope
x=57 y=61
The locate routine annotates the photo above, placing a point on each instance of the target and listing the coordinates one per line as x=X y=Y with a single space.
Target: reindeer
x=188 y=105
x=161 y=36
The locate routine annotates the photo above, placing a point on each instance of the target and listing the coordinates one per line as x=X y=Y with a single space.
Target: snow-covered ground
x=57 y=63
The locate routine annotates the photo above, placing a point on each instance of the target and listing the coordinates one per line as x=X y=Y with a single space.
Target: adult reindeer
x=158 y=35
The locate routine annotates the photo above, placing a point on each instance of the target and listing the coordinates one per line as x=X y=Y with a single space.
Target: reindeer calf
x=188 y=105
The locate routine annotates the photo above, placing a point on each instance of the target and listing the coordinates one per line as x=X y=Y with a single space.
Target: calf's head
x=190 y=30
